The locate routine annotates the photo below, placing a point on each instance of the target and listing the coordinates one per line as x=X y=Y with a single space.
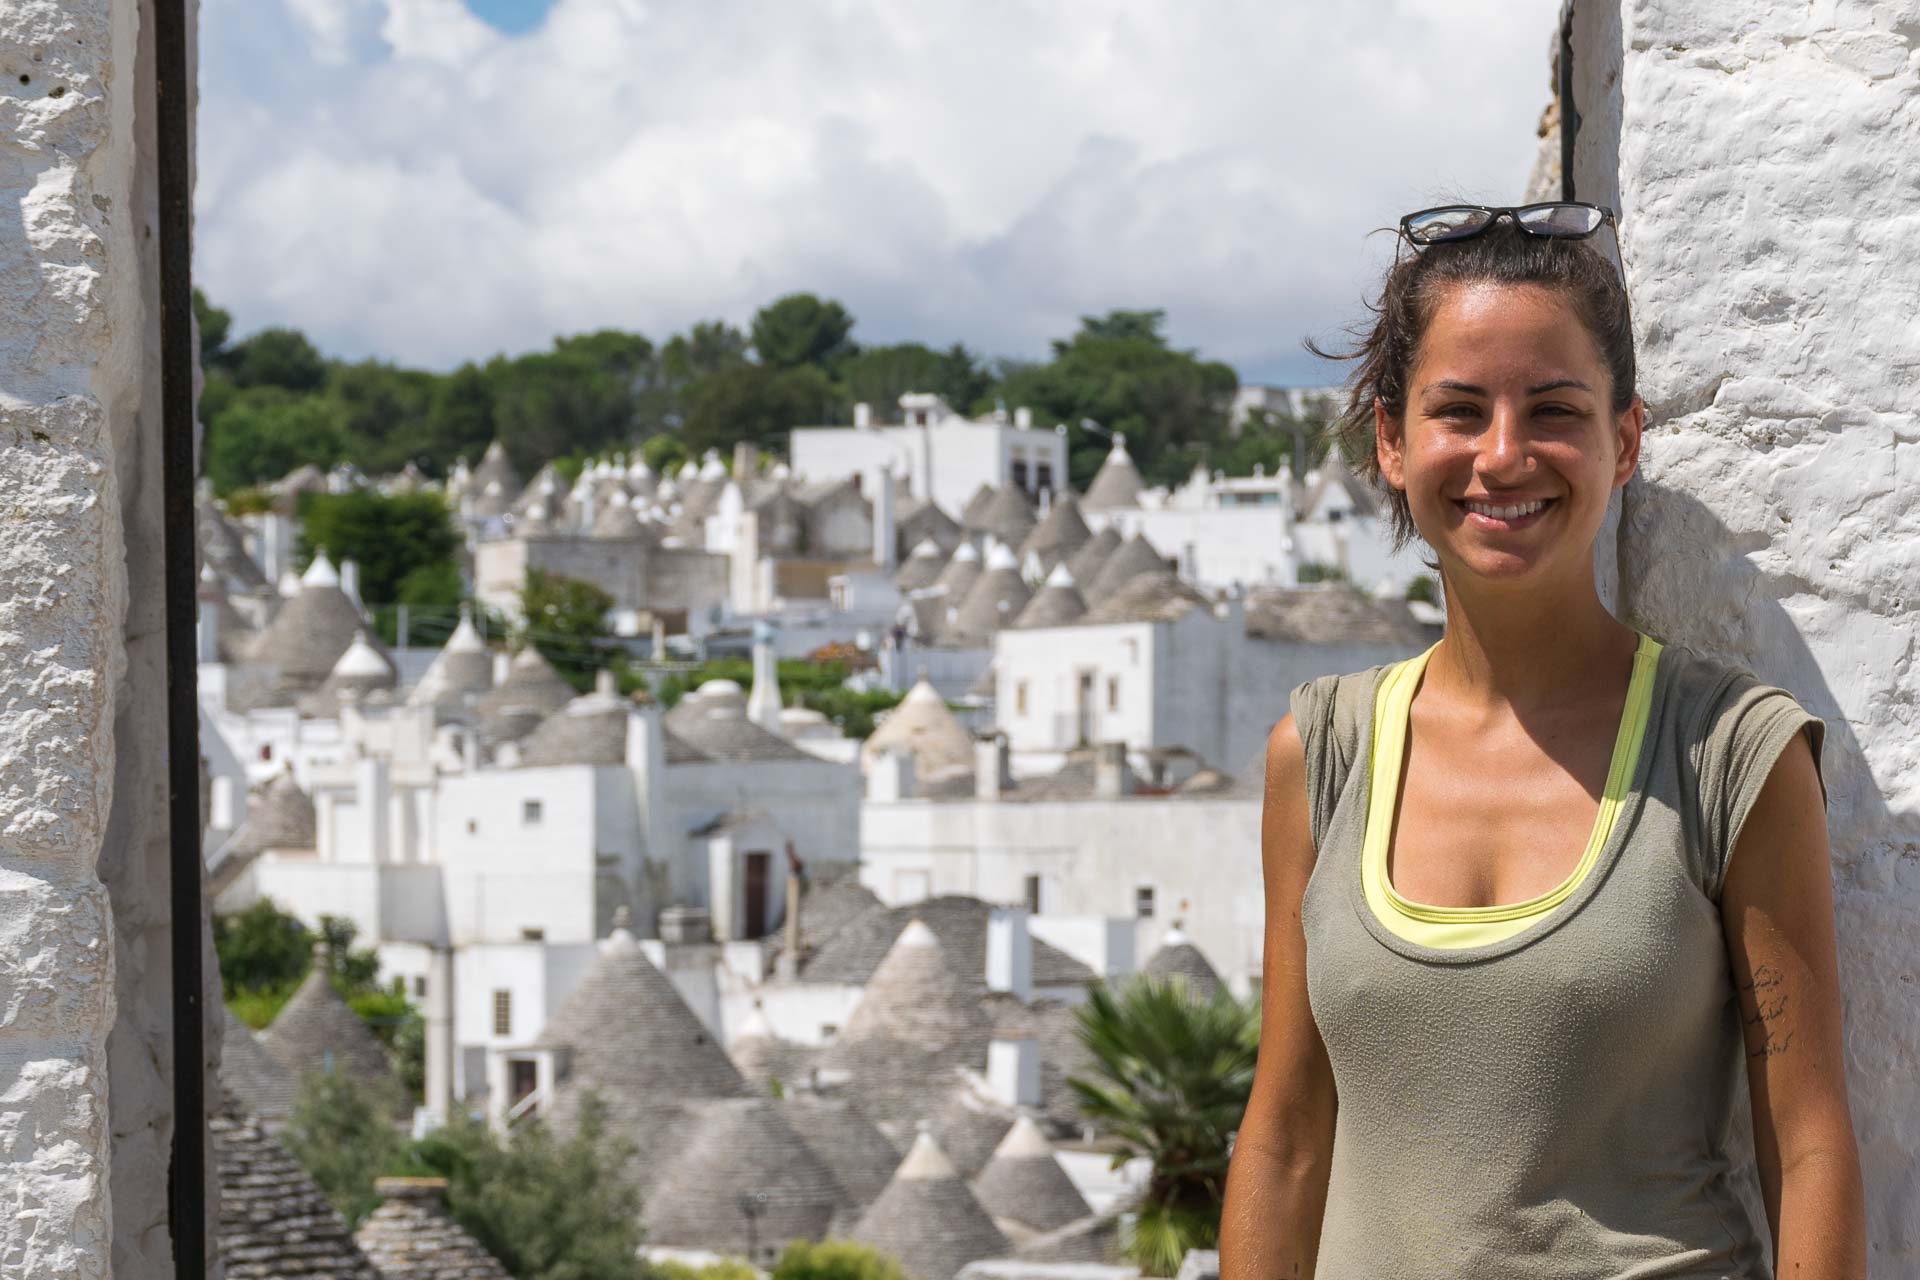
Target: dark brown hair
x=1412 y=292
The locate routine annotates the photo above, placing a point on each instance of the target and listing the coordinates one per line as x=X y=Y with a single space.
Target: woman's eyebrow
x=1539 y=389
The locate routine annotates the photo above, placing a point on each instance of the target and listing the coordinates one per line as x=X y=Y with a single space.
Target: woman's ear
x=1386 y=444
x=1627 y=432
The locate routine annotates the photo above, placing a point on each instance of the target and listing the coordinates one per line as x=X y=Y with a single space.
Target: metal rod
x=1569 y=117
x=173 y=118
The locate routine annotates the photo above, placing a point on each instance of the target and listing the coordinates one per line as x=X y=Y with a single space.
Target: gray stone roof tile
x=928 y=1219
x=730 y=1148
x=316 y=1031
x=1024 y=1182
x=1332 y=613
x=411 y=1236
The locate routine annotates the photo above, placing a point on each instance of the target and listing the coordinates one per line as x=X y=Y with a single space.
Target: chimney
x=685 y=925
x=1112 y=776
x=992 y=777
x=863 y=416
x=790 y=953
x=1013 y=1070
x=1009 y=952
x=350 y=583
x=439 y=1029
x=1023 y=418
x=502 y=664
x=884 y=536
x=605 y=683
x=659 y=638
x=207 y=636
x=647 y=762
x=746 y=462
x=890 y=777
x=763 y=702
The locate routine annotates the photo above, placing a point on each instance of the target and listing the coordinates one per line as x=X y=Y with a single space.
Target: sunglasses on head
x=1556 y=219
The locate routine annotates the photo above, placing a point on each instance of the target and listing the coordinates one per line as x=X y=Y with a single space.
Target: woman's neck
x=1525 y=648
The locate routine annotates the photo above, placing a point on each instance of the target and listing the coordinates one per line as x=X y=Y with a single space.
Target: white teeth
x=1506 y=513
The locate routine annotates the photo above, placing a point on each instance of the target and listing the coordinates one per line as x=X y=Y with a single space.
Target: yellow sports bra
x=1478 y=926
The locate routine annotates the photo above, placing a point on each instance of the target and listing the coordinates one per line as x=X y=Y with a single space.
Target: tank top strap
x=1334 y=717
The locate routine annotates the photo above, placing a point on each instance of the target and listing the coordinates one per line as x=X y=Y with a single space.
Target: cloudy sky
x=429 y=181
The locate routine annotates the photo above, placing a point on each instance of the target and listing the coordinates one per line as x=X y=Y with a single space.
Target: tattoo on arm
x=1769 y=996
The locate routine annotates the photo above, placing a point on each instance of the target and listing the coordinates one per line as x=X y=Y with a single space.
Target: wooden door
x=753 y=923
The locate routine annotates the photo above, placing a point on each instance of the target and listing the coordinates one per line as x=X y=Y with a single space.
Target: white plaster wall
x=1091 y=856
x=1049 y=661
x=1763 y=155
x=506 y=875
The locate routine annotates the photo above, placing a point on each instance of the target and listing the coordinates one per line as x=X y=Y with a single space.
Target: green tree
x=879 y=376
x=581 y=396
x=263 y=433
x=1424 y=589
x=343 y=1135
x=261 y=948
x=1117 y=371
x=459 y=420
x=1170 y=1081
x=835 y=1260
x=277 y=357
x=567 y=621
x=391 y=537
x=663 y=454
x=216 y=325
x=548 y=1208
x=384 y=410
x=802 y=329
x=753 y=403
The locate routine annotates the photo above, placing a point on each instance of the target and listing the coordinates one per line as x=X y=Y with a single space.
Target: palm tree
x=1170 y=1081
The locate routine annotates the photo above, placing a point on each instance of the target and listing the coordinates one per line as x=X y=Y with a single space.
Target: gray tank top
x=1556 y=1105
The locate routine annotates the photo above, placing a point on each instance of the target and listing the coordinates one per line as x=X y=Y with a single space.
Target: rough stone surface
x=70 y=354
x=1768 y=231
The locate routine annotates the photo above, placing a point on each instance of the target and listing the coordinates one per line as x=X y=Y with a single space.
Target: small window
x=1143 y=902
x=533 y=935
x=828 y=1030
x=530 y=811
x=473 y=827
x=503 y=1013
x=1113 y=693
x=1020 y=698
x=420 y=987
x=1033 y=895
x=399 y=985
x=266 y=751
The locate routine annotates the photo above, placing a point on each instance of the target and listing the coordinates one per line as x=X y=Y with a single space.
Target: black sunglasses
x=1558 y=219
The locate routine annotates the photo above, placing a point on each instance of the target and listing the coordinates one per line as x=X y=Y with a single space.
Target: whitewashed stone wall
x=1763 y=154
x=85 y=1088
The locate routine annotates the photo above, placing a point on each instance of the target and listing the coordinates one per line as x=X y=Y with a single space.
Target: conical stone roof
x=1117 y=483
x=361 y=670
x=922 y=567
x=992 y=603
x=928 y=1219
x=764 y=1058
x=1059 y=534
x=275 y=1223
x=590 y=729
x=859 y=1155
x=279 y=816
x=917 y=1025
x=1158 y=595
x=1086 y=563
x=615 y=518
x=637 y=1045
x=735 y=1147
x=311 y=631
x=532 y=691
x=1056 y=604
x=316 y=1031
x=1024 y=1182
x=969 y=1128
x=961 y=572
x=923 y=726
x=259 y=1082
x=975 y=511
x=1178 y=959
x=1009 y=518
x=411 y=1236
x=495 y=468
x=463 y=669
x=1134 y=557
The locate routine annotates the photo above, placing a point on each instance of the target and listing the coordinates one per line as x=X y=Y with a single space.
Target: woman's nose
x=1503 y=448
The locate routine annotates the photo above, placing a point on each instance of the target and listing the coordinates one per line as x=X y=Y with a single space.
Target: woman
x=1538 y=898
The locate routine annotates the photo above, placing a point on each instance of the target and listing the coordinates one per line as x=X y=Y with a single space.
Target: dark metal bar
x=173 y=121
x=1569 y=116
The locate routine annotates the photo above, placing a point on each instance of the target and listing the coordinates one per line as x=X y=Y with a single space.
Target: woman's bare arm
x=1777 y=905
x=1277 y=1185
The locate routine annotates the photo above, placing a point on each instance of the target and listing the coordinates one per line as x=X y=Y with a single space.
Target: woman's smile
x=1505 y=515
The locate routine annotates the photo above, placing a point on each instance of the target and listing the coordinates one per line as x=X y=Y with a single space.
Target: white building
x=943 y=455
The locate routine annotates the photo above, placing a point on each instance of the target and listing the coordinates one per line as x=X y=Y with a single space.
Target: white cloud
x=402 y=180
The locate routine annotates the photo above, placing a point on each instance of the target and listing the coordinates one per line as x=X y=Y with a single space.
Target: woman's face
x=1509 y=449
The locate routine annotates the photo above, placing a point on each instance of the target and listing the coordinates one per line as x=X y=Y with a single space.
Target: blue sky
x=515 y=17
x=430 y=181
